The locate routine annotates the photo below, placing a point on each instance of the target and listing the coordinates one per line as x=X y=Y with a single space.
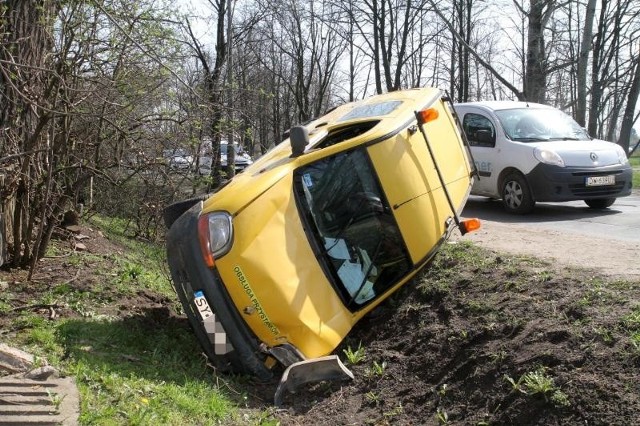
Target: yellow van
x=276 y=267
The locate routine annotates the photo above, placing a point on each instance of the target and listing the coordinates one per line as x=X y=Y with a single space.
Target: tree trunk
x=213 y=77
x=583 y=60
x=535 y=85
x=377 y=22
x=231 y=152
x=632 y=101
x=25 y=28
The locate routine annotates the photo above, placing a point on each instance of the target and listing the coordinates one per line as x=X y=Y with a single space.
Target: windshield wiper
x=533 y=139
x=566 y=138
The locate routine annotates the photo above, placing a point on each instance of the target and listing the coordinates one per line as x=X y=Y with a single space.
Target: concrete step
x=54 y=401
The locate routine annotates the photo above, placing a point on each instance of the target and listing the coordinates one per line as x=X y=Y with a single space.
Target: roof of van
x=500 y=105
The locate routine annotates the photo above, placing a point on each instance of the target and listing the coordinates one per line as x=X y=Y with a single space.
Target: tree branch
x=496 y=74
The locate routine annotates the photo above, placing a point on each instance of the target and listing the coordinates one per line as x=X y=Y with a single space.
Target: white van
x=527 y=152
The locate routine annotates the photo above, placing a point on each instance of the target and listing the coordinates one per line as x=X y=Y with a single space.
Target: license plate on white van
x=601 y=180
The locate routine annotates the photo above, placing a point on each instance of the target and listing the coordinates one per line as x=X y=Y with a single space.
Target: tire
x=173 y=211
x=516 y=195
x=244 y=358
x=600 y=203
x=220 y=362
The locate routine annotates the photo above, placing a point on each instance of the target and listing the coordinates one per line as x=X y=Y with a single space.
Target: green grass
x=635 y=163
x=129 y=373
x=539 y=382
x=355 y=356
x=631 y=324
x=141 y=263
x=134 y=365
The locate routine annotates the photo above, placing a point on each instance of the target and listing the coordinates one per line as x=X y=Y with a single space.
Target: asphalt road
x=620 y=222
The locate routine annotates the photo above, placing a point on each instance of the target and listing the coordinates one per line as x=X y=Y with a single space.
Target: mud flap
x=312 y=370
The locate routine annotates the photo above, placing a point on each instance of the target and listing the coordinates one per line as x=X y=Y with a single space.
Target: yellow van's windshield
x=361 y=244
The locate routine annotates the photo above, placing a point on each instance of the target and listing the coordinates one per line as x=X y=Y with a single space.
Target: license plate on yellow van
x=601 y=180
x=203 y=306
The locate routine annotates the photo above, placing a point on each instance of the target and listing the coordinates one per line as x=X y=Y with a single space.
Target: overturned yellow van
x=276 y=267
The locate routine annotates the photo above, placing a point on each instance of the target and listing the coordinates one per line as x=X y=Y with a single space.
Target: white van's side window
x=479 y=130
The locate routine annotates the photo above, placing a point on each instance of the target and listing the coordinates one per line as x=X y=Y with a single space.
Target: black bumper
x=190 y=274
x=553 y=183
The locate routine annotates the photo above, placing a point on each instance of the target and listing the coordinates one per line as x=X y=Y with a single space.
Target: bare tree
x=484 y=63
x=307 y=52
x=213 y=78
x=583 y=60
x=612 y=69
x=630 y=116
x=29 y=90
x=71 y=110
x=385 y=28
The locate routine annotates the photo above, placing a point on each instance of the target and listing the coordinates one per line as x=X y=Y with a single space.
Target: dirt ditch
x=482 y=337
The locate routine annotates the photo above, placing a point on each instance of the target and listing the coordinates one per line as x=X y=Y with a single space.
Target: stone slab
x=54 y=401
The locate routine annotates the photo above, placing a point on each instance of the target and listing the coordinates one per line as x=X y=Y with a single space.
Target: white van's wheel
x=516 y=196
x=600 y=203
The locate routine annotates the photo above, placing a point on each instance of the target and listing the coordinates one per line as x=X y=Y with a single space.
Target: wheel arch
x=506 y=172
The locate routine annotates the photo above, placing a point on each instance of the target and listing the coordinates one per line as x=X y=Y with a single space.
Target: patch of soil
x=87 y=274
x=478 y=338
x=503 y=342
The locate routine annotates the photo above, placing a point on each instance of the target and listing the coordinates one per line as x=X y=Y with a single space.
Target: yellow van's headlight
x=548 y=157
x=215 y=232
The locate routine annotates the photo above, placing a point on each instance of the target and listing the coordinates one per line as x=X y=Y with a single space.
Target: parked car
x=242 y=159
x=527 y=152
x=178 y=159
x=275 y=268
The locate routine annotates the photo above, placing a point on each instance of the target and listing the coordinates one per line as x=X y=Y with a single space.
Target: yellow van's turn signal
x=427 y=115
x=203 y=237
x=469 y=225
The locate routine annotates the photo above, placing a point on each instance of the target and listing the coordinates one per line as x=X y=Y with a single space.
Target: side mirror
x=299 y=138
x=485 y=137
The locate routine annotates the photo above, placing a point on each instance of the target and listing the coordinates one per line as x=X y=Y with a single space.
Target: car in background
x=242 y=159
x=527 y=152
x=178 y=159
x=275 y=268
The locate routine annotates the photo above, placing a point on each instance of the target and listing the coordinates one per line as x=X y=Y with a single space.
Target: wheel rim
x=513 y=194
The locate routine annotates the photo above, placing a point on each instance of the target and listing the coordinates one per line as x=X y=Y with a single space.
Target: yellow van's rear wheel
x=516 y=195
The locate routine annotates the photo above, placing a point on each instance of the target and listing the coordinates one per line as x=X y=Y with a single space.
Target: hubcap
x=513 y=194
